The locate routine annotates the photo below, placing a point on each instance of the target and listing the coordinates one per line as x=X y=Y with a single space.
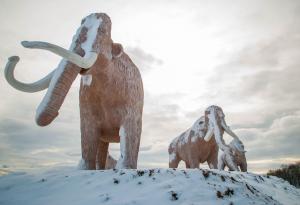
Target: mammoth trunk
x=215 y=125
x=59 y=86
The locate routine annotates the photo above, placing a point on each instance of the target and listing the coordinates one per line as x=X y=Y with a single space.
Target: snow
x=82 y=165
x=66 y=185
x=122 y=134
x=92 y=23
x=87 y=80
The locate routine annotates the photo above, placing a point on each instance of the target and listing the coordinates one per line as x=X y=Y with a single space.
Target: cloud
x=144 y=61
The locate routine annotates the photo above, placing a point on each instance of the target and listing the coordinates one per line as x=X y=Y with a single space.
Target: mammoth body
x=111 y=92
x=201 y=142
x=235 y=160
x=111 y=110
x=191 y=147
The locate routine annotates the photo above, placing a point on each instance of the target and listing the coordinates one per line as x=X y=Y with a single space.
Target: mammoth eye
x=201 y=122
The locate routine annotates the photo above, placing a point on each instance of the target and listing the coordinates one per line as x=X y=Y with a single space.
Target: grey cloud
x=279 y=140
x=145 y=61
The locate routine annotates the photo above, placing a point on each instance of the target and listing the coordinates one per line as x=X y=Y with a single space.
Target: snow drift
x=151 y=186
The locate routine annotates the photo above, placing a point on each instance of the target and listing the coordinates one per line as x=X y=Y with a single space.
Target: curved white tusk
x=82 y=62
x=25 y=87
x=228 y=130
x=208 y=135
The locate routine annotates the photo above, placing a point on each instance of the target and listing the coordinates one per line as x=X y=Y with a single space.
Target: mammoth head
x=215 y=120
x=91 y=46
x=238 y=146
x=238 y=153
x=199 y=127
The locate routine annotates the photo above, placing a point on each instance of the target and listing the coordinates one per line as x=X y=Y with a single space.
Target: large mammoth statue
x=111 y=91
x=201 y=142
x=234 y=160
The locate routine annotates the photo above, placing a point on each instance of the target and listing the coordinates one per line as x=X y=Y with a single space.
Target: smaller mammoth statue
x=234 y=159
x=201 y=142
x=191 y=147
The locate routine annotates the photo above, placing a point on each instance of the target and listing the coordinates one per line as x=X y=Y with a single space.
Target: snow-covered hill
x=155 y=186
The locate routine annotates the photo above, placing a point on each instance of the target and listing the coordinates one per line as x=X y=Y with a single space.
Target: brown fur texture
x=191 y=147
x=111 y=99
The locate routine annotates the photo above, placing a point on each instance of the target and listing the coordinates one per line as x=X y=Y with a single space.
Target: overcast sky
x=241 y=55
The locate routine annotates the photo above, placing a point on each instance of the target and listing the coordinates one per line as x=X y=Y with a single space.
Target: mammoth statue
x=191 y=147
x=111 y=94
x=235 y=159
x=201 y=142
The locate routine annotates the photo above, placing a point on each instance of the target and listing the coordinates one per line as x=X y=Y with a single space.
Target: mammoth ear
x=116 y=50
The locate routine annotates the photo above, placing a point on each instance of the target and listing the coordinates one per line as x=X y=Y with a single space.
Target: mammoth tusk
x=25 y=87
x=208 y=135
x=82 y=62
x=228 y=130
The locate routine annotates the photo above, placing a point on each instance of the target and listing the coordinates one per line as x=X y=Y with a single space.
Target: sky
x=240 y=55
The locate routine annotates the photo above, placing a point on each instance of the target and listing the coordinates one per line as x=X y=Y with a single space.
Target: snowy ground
x=65 y=185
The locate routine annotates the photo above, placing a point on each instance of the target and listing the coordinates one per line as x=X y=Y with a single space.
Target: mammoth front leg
x=89 y=143
x=243 y=166
x=130 y=133
x=212 y=160
x=173 y=160
x=102 y=154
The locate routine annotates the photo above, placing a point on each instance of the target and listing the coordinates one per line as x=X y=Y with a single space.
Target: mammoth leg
x=173 y=161
x=89 y=143
x=212 y=160
x=102 y=154
x=243 y=166
x=130 y=133
x=187 y=165
x=110 y=162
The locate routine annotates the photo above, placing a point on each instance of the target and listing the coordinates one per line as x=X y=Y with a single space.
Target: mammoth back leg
x=110 y=162
x=102 y=154
x=212 y=160
x=213 y=163
x=130 y=133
